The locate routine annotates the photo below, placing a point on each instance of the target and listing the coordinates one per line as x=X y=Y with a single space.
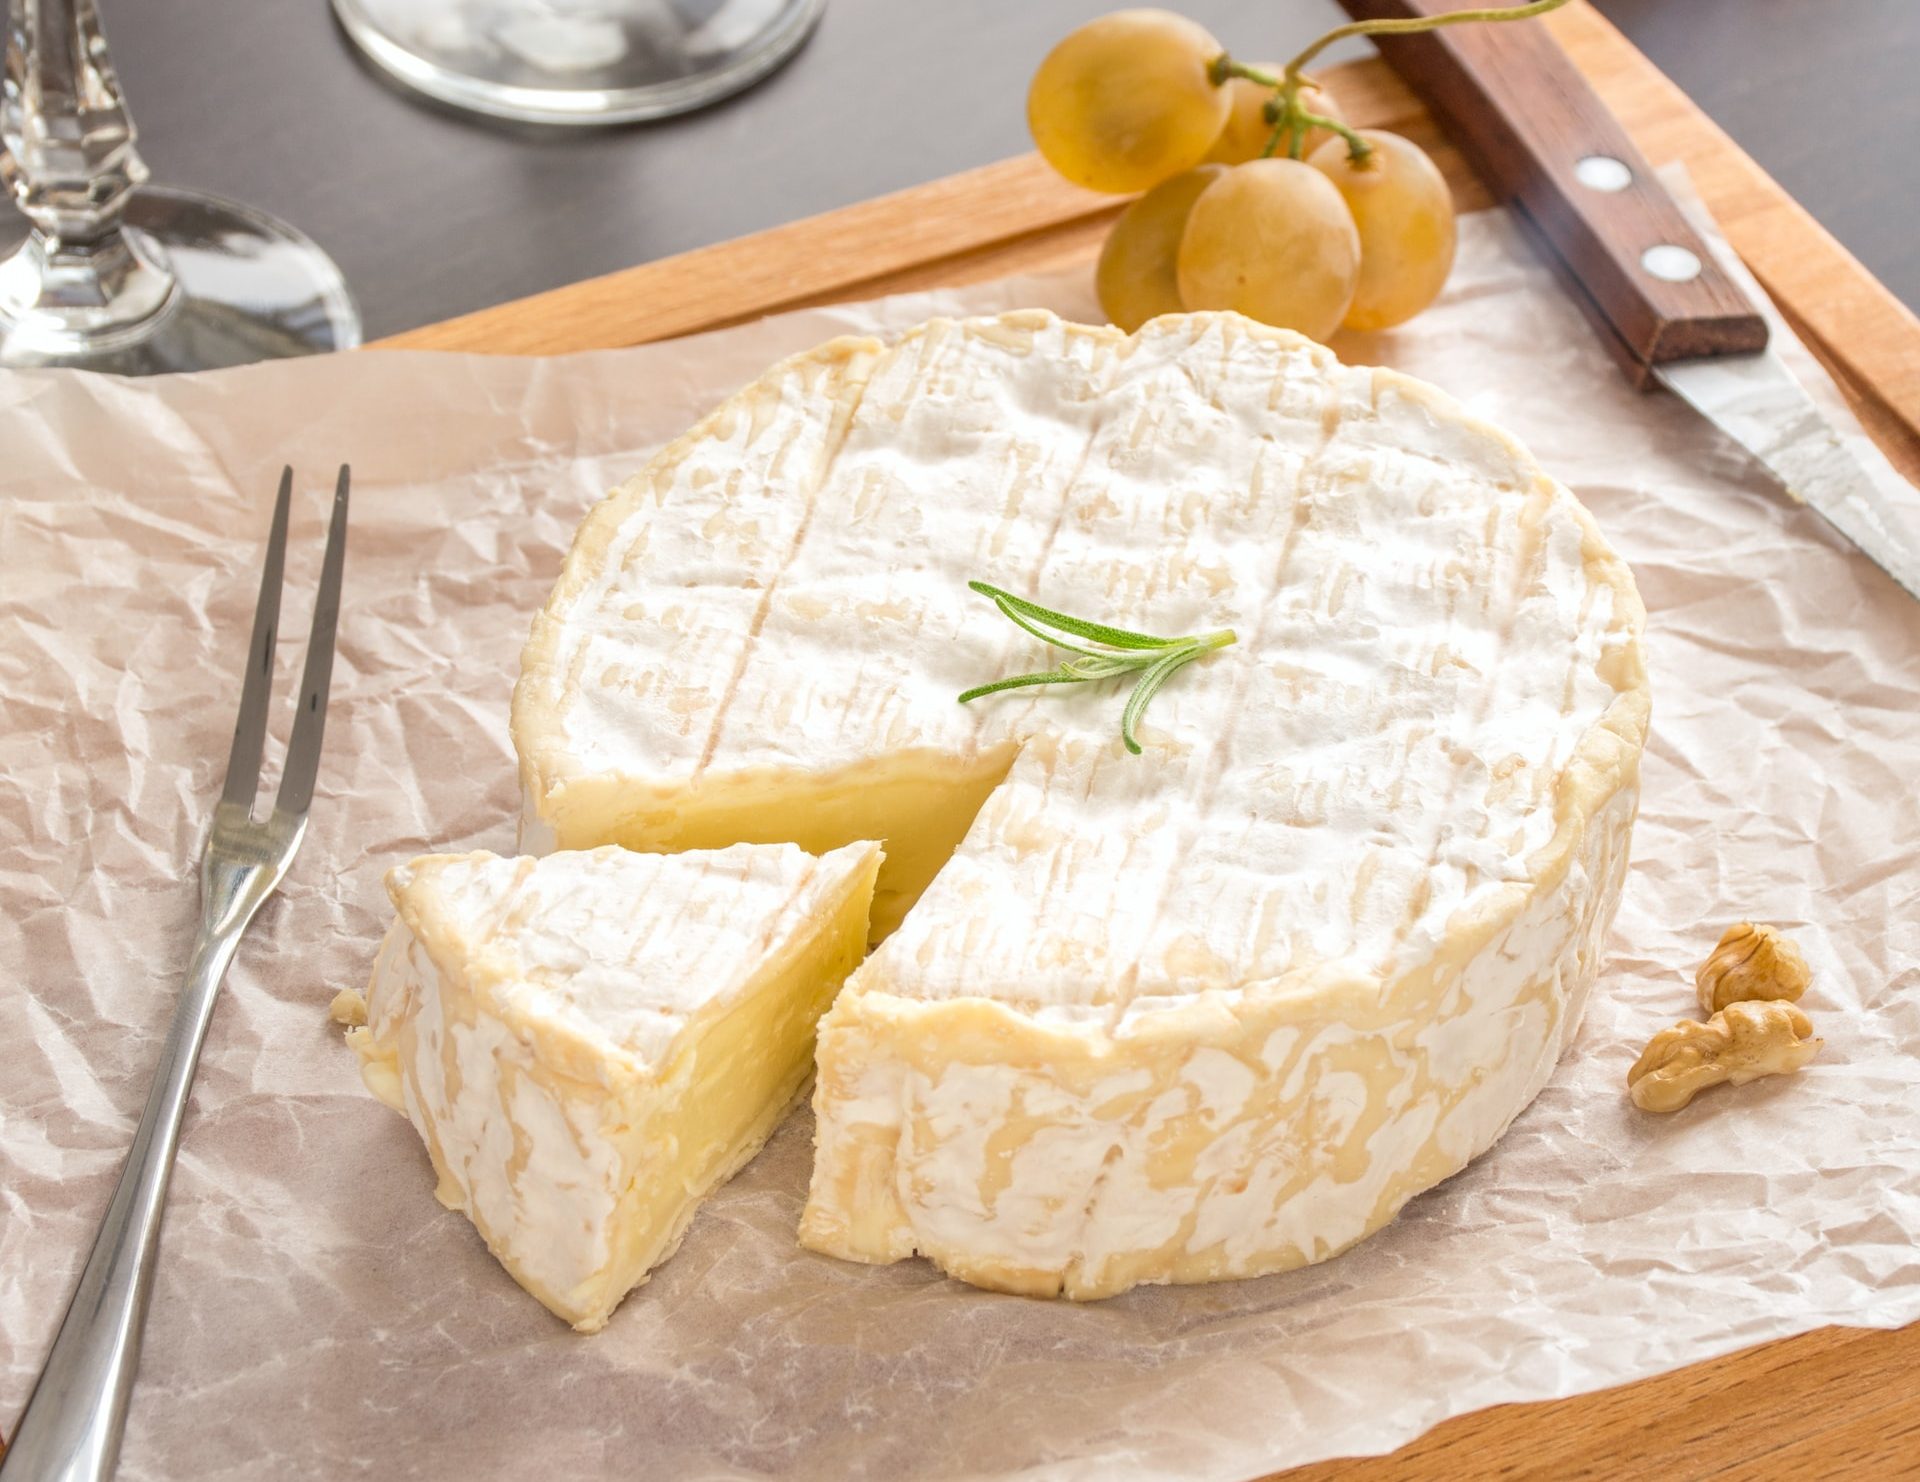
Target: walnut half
x=1751 y=962
x=1741 y=1043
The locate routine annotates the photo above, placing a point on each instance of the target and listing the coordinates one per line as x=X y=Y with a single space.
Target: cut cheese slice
x=591 y=1042
x=1209 y=1011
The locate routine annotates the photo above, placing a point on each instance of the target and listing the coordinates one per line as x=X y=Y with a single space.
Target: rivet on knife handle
x=1517 y=106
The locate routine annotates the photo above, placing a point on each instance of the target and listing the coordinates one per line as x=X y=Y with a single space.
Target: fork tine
x=250 y=730
x=310 y=721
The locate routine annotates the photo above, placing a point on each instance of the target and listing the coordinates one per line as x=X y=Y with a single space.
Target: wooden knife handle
x=1523 y=114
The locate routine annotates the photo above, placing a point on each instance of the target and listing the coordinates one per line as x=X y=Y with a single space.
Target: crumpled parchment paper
x=319 y=1315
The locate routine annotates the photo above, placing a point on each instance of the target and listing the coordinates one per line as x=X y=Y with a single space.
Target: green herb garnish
x=1105 y=653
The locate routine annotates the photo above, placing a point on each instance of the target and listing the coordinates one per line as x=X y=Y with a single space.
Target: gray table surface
x=432 y=214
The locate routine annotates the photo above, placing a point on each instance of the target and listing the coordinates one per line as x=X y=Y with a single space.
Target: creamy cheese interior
x=590 y=1043
x=1336 y=923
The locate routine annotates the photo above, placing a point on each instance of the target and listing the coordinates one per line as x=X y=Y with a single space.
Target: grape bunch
x=1258 y=195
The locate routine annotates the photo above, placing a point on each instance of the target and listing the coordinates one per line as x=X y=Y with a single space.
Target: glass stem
x=67 y=157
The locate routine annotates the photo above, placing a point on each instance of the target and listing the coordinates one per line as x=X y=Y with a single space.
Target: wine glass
x=578 y=61
x=113 y=274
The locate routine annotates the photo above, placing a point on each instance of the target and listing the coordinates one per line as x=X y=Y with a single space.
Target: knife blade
x=1672 y=315
x=1759 y=403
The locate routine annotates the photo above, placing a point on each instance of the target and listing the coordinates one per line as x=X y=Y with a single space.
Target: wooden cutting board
x=1017 y=216
x=1838 y=1402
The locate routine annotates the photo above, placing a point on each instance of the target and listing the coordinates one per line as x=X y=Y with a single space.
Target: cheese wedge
x=1210 y=1011
x=590 y=1043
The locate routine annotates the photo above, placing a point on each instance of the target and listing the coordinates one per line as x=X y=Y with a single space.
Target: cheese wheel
x=1216 y=1009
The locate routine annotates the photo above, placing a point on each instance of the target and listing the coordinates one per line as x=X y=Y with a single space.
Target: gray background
x=431 y=214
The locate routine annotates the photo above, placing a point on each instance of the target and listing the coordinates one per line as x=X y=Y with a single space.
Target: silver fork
x=70 y=1431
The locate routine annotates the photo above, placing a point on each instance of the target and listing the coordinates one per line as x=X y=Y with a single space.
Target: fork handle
x=71 y=1428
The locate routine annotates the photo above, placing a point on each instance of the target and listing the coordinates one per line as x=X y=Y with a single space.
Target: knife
x=1528 y=120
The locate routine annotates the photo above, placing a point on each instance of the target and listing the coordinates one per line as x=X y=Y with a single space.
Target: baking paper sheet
x=319 y=1315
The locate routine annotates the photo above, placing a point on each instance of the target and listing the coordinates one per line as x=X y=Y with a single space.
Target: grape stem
x=1413 y=25
x=1292 y=122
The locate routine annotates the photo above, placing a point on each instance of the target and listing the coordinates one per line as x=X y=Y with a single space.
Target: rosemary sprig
x=1105 y=653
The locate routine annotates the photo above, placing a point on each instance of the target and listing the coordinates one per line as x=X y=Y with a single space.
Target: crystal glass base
x=578 y=61
x=246 y=288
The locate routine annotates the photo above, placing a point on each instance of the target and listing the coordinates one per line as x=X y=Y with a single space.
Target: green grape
x=1272 y=239
x=1404 y=213
x=1247 y=131
x=1125 y=101
x=1135 y=278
